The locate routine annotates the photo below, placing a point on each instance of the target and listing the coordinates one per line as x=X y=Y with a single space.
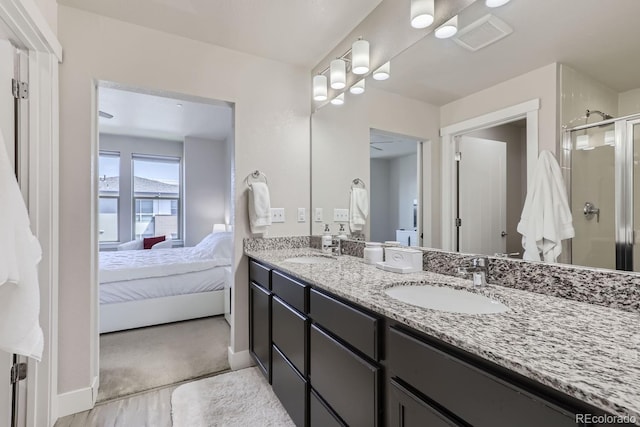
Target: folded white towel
x=20 y=253
x=358 y=209
x=546 y=218
x=259 y=207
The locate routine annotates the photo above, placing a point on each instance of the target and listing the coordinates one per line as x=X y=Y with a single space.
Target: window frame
x=110 y=153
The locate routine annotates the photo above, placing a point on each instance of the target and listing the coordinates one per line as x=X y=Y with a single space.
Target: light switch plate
x=277 y=215
x=318 y=215
x=341 y=215
x=302 y=214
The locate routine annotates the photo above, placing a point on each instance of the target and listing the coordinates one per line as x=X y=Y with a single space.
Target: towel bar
x=256 y=176
x=357 y=182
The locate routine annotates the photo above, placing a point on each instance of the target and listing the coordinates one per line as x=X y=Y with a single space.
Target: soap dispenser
x=342 y=234
x=327 y=240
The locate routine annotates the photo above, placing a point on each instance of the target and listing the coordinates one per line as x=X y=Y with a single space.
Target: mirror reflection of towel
x=546 y=217
x=259 y=207
x=358 y=209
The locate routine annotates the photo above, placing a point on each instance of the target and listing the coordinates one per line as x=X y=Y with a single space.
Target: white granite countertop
x=588 y=352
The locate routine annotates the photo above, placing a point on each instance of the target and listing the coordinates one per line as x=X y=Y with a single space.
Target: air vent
x=483 y=32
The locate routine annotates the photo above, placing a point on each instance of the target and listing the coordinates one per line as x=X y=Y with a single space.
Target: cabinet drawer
x=475 y=396
x=260 y=327
x=259 y=274
x=405 y=409
x=292 y=292
x=290 y=388
x=354 y=326
x=289 y=333
x=320 y=415
x=348 y=383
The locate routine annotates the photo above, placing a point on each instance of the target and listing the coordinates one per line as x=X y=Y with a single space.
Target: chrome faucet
x=478 y=266
x=335 y=247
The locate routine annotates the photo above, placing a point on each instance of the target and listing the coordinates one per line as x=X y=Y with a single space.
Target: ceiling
x=152 y=116
x=387 y=145
x=298 y=32
x=600 y=39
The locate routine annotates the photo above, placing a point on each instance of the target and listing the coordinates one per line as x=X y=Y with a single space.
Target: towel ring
x=256 y=176
x=358 y=183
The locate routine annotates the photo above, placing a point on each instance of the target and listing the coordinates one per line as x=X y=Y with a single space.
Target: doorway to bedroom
x=164 y=220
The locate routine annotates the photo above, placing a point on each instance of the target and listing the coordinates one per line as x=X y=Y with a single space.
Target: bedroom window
x=156 y=196
x=109 y=196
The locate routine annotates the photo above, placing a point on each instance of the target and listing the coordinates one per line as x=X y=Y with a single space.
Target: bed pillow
x=166 y=244
x=218 y=246
x=148 y=242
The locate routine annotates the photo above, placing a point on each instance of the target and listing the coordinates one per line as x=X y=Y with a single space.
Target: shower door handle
x=590 y=210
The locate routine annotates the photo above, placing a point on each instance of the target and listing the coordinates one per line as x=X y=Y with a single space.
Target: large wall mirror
x=564 y=58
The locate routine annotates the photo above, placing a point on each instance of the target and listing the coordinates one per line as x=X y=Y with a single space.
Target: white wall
x=49 y=10
x=271 y=134
x=6 y=97
x=206 y=184
x=629 y=102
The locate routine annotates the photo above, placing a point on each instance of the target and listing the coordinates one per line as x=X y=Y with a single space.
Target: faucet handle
x=480 y=262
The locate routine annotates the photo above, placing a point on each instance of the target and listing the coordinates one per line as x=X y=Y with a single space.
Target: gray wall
x=380 y=201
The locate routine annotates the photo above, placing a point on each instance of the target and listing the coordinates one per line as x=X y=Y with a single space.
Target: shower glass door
x=633 y=134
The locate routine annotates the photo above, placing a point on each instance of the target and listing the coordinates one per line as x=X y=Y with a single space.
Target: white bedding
x=118 y=266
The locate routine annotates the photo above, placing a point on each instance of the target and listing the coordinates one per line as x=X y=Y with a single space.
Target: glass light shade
x=338 y=71
x=496 y=3
x=422 y=13
x=610 y=137
x=357 y=88
x=320 y=87
x=360 y=57
x=448 y=29
x=338 y=100
x=383 y=72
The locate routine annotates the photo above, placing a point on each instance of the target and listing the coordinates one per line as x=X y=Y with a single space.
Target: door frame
x=24 y=19
x=526 y=110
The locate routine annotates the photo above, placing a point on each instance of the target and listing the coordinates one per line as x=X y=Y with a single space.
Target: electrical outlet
x=302 y=214
x=318 y=215
x=340 y=215
x=277 y=215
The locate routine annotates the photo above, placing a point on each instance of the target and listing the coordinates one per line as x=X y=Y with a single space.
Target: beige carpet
x=146 y=358
x=240 y=398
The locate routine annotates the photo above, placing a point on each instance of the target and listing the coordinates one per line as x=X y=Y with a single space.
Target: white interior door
x=7 y=129
x=483 y=195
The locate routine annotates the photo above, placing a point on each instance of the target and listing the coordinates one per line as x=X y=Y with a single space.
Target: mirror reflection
x=546 y=64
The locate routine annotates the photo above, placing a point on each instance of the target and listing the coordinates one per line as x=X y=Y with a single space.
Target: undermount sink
x=446 y=299
x=312 y=259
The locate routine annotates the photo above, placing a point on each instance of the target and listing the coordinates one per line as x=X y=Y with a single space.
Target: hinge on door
x=18 y=372
x=458 y=222
x=458 y=156
x=19 y=89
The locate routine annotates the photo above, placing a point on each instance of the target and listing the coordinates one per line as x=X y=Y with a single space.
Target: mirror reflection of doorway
x=395 y=172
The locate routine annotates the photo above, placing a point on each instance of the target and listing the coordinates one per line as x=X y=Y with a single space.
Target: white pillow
x=130 y=246
x=218 y=246
x=167 y=243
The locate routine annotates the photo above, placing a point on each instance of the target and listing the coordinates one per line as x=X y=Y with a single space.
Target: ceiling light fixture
x=422 y=12
x=357 y=88
x=496 y=3
x=320 y=87
x=448 y=29
x=383 y=72
x=338 y=73
x=360 y=57
x=338 y=100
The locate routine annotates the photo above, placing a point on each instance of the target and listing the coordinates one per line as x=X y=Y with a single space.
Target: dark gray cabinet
x=320 y=415
x=290 y=387
x=290 y=329
x=260 y=327
x=405 y=409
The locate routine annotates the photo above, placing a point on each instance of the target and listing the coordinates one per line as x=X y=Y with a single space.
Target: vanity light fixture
x=496 y=3
x=338 y=73
x=422 y=12
x=338 y=100
x=320 y=87
x=360 y=57
x=448 y=29
x=582 y=142
x=610 y=137
x=383 y=72
x=357 y=88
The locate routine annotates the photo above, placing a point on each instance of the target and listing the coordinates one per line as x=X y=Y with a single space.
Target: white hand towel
x=546 y=218
x=358 y=209
x=20 y=253
x=259 y=207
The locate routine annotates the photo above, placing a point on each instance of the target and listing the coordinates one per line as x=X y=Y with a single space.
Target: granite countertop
x=587 y=351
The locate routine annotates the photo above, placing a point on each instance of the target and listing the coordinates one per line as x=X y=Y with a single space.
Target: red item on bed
x=150 y=241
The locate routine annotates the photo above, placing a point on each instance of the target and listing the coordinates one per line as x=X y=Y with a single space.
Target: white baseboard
x=78 y=400
x=239 y=360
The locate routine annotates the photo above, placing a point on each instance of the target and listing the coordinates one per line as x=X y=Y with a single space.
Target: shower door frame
x=623 y=185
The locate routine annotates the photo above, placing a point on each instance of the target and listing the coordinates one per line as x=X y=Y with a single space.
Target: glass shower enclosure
x=600 y=163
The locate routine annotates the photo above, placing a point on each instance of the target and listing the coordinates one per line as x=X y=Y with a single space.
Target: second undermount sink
x=446 y=299
x=312 y=259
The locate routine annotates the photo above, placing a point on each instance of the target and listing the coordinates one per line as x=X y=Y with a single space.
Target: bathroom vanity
x=338 y=350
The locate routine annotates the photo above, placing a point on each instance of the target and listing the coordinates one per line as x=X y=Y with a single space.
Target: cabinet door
x=290 y=388
x=260 y=327
x=405 y=409
x=319 y=413
x=289 y=332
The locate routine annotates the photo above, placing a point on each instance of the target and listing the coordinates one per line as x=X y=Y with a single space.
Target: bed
x=149 y=287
